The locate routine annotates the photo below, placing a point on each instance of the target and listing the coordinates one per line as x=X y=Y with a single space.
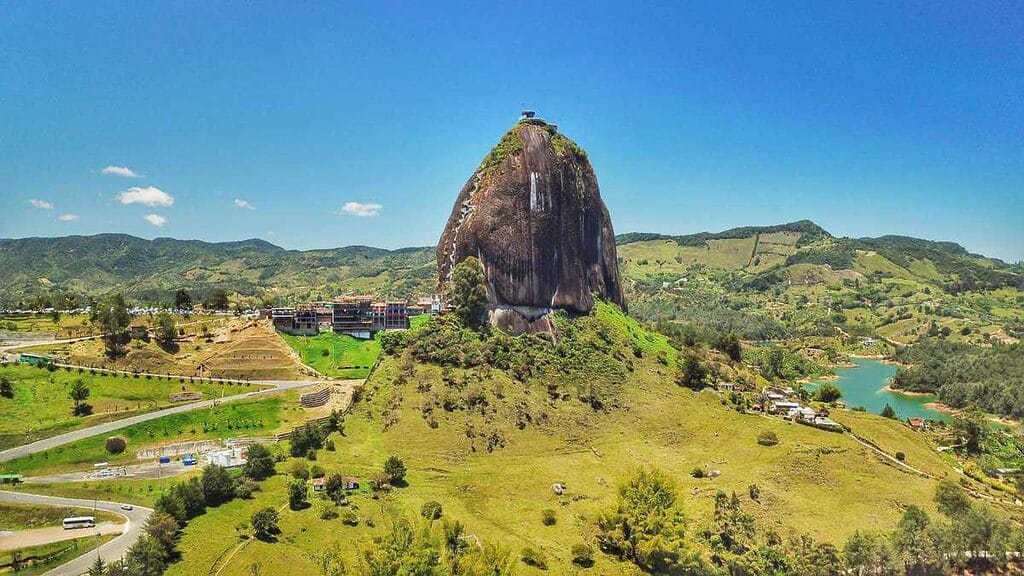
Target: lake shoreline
x=867 y=382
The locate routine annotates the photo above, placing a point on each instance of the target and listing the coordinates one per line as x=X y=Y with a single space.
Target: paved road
x=110 y=551
x=68 y=437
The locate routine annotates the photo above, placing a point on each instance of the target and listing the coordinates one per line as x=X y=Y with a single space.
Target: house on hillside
x=138 y=330
x=319 y=483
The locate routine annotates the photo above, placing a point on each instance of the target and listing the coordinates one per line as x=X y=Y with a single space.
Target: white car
x=126 y=507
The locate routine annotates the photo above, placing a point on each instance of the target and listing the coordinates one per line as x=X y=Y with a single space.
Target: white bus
x=79 y=522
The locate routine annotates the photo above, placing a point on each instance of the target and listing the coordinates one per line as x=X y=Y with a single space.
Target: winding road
x=110 y=551
x=75 y=435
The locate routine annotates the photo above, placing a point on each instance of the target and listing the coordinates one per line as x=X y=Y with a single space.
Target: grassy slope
x=56 y=553
x=346 y=357
x=41 y=407
x=245 y=418
x=807 y=482
x=234 y=349
x=28 y=516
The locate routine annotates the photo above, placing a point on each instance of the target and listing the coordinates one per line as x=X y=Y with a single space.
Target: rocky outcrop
x=533 y=215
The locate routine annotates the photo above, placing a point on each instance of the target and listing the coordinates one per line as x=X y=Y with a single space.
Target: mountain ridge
x=147 y=269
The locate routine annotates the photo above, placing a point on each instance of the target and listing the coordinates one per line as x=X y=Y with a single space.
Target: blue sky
x=868 y=118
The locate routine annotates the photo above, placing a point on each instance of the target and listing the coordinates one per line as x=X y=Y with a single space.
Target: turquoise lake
x=865 y=386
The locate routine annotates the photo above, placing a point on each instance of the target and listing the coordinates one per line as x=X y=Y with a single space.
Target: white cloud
x=155 y=219
x=150 y=196
x=360 y=209
x=42 y=204
x=67 y=217
x=244 y=204
x=122 y=171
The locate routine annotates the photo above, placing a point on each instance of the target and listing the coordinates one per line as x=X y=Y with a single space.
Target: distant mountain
x=150 y=269
x=760 y=257
x=808 y=232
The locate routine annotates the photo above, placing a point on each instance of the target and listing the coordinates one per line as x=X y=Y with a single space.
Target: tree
x=647 y=528
x=182 y=300
x=78 y=394
x=868 y=553
x=394 y=469
x=467 y=292
x=297 y=492
x=217 y=300
x=166 y=331
x=828 y=393
x=264 y=524
x=729 y=344
x=915 y=543
x=113 y=318
x=951 y=499
x=305 y=439
x=774 y=362
x=218 y=486
x=171 y=504
x=163 y=528
x=971 y=427
x=259 y=463
x=888 y=412
x=192 y=498
x=146 y=557
x=692 y=374
x=98 y=568
x=733 y=528
x=6 y=389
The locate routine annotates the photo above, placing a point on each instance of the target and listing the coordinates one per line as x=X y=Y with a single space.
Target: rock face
x=533 y=215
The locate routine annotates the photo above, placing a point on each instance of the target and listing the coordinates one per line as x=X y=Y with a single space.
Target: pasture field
x=261 y=417
x=41 y=407
x=807 y=481
x=336 y=355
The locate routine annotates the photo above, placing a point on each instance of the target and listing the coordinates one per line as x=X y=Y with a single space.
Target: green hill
x=148 y=270
x=487 y=423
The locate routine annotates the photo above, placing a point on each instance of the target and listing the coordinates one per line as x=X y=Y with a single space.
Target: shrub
x=431 y=510
x=116 y=444
x=316 y=471
x=754 y=491
x=531 y=557
x=326 y=511
x=350 y=518
x=245 y=488
x=547 y=517
x=767 y=438
x=901 y=456
x=299 y=469
x=582 y=555
x=394 y=469
x=698 y=472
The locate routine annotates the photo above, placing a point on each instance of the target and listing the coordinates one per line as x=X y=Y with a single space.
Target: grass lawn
x=137 y=492
x=41 y=406
x=235 y=419
x=336 y=355
x=48 y=556
x=893 y=436
x=27 y=516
